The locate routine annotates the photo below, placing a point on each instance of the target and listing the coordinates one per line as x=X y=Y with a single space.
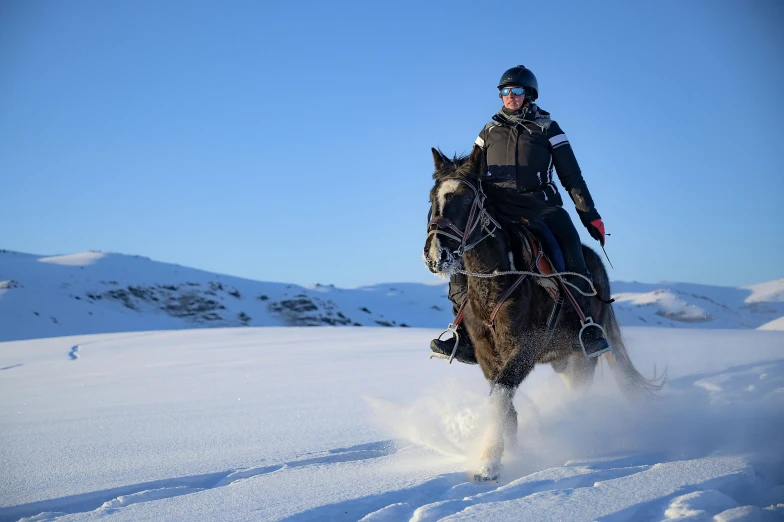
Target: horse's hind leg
x=510 y=426
x=575 y=370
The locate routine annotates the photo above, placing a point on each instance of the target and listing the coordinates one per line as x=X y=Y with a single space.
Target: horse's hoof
x=487 y=472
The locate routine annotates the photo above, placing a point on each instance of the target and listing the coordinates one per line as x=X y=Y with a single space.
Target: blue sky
x=290 y=141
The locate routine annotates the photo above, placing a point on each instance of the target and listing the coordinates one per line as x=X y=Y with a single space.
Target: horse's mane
x=509 y=207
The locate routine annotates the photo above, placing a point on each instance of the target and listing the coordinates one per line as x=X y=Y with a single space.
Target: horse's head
x=458 y=220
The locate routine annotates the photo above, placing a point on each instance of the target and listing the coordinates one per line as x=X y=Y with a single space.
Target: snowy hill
x=691 y=305
x=95 y=292
x=342 y=424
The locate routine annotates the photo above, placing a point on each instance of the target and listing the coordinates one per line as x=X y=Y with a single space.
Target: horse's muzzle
x=445 y=260
x=440 y=261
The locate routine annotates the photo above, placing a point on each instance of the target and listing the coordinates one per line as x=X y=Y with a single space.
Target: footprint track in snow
x=451 y=493
x=73 y=353
x=116 y=498
x=521 y=488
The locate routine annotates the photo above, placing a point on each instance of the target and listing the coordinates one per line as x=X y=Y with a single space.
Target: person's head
x=512 y=81
x=513 y=97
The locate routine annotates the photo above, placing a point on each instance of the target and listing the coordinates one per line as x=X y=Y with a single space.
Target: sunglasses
x=517 y=91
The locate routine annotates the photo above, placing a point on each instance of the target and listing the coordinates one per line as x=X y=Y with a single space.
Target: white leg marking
x=493 y=443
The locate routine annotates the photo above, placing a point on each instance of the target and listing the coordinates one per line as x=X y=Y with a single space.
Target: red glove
x=596 y=229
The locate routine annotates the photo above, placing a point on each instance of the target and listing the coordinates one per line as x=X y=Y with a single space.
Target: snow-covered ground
x=95 y=292
x=313 y=424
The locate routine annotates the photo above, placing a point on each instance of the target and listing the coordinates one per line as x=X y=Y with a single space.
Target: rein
x=558 y=275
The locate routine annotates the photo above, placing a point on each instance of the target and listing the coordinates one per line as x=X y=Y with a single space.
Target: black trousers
x=558 y=221
x=458 y=290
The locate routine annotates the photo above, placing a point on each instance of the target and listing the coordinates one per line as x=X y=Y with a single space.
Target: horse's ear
x=439 y=159
x=478 y=160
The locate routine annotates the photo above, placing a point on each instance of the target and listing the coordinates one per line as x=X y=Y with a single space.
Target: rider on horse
x=522 y=146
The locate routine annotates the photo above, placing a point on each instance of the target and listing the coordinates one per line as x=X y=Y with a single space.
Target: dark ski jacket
x=523 y=147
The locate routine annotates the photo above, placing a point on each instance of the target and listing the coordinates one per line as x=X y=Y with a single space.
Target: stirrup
x=451 y=328
x=587 y=324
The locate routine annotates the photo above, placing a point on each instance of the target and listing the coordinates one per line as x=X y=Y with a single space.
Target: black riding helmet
x=523 y=77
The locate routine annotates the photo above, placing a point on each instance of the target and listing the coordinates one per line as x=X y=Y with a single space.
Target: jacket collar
x=530 y=113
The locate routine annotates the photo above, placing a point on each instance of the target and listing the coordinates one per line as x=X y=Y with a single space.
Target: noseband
x=477 y=216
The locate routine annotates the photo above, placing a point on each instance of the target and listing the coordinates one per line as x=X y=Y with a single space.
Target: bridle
x=478 y=216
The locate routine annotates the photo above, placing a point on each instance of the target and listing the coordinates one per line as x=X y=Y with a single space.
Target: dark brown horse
x=480 y=229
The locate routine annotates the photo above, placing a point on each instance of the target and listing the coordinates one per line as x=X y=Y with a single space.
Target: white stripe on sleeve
x=479 y=141
x=556 y=140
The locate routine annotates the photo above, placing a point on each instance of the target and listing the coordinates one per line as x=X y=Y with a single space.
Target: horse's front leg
x=504 y=418
x=493 y=442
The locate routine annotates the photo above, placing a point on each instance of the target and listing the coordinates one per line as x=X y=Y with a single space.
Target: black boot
x=465 y=350
x=458 y=291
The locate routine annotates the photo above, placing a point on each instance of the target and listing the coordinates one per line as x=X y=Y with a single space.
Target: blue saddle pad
x=550 y=245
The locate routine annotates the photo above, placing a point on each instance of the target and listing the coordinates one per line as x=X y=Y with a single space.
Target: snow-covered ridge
x=685 y=304
x=95 y=292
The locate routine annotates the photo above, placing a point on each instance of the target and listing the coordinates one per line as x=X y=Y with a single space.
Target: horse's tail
x=632 y=383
